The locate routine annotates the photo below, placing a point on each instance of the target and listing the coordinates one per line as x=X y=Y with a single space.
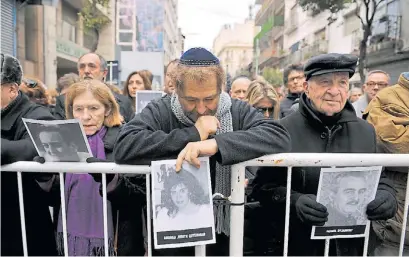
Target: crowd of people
x=202 y=114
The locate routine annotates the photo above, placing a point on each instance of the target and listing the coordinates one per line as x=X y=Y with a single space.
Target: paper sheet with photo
x=182 y=205
x=59 y=140
x=346 y=192
x=144 y=97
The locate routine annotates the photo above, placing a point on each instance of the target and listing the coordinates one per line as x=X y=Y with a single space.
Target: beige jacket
x=388 y=112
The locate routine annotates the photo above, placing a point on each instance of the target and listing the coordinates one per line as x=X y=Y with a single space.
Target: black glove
x=41 y=177
x=310 y=211
x=98 y=176
x=39 y=159
x=383 y=207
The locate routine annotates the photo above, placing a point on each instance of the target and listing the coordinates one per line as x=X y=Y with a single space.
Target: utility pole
x=257 y=56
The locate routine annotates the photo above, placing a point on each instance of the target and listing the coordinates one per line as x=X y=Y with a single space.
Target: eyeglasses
x=30 y=83
x=264 y=110
x=380 y=84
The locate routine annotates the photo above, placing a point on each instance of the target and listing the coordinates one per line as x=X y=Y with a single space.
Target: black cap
x=11 y=71
x=329 y=63
x=198 y=57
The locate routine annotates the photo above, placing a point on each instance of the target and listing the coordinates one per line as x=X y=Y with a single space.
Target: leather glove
x=310 y=211
x=98 y=176
x=383 y=207
x=39 y=159
x=41 y=177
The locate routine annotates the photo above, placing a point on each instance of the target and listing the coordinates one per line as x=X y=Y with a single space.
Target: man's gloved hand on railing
x=310 y=211
x=383 y=207
x=98 y=176
x=39 y=176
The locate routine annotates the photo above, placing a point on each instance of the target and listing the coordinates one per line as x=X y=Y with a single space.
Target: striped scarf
x=223 y=173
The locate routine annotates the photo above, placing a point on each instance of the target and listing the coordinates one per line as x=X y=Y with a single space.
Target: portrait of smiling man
x=347 y=197
x=325 y=123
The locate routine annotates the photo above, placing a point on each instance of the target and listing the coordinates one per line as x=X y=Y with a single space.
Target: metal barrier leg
x=200 y=250
x=22 y=214
x=405 y=219
x=366 y=244
x=237 y=211
x=326 y=251
x=287 y=210
x=63 y=214
x=148 y=213
x=105 y=208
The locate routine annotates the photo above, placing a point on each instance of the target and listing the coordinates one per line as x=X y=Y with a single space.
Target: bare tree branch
x=357 y=10
x=367 y=3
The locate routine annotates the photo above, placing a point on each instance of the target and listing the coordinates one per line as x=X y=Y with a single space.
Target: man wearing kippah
x=16 y=146
x=324 y=123
x=199 y=119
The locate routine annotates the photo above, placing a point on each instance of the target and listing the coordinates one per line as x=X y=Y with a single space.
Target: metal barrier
x=291 y=160
x=237 y=193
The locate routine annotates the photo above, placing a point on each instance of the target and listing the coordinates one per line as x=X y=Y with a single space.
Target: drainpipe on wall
x=15 y=29
x=44 y=45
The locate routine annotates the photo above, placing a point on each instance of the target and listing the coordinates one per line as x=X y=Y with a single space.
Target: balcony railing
x=305 y=53
x=262 y=13
x=386 y=33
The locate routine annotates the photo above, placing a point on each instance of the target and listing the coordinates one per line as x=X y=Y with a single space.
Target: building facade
x=8 y=25
x=234 y=46
x=306 y=34
x=269 y=41
x=51 y=38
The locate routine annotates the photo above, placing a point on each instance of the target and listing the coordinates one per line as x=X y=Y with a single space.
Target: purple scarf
x=85 y=220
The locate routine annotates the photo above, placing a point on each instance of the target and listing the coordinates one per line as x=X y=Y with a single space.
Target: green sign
x=70 y=49
x=273 y=21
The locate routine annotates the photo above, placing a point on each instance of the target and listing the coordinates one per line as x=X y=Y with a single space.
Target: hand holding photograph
x=182 y=200
x=59 y=140
x=346 y=192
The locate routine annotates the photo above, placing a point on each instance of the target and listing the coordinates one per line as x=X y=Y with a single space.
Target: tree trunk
x=362 y=53
x=96 y=42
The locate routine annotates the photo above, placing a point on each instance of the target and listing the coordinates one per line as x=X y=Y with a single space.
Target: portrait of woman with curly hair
x=185 y=202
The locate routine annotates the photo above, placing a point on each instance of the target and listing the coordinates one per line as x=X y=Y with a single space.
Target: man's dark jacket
x=312 y=132
x=16 y=146
x=125 y=107
x=286 y=103
x=156 y=134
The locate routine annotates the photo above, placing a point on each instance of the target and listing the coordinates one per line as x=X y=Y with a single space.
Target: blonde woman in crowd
x=262 y=96
x=136 y=81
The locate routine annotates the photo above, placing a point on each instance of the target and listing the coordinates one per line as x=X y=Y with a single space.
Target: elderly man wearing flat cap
x=16 y=146
x=325 y=123
x=199 y=119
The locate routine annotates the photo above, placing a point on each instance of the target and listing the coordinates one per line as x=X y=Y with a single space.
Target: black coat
x=127 y=198
x=286 y=103
x=16 y=145
x=313 y=133
x=125 y=107
x=156 y=134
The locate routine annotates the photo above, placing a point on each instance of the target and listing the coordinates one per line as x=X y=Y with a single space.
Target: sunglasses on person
x=264 y=110
x=30 y=83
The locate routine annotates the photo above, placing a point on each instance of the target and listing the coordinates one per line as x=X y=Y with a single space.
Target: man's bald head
x=239 y=88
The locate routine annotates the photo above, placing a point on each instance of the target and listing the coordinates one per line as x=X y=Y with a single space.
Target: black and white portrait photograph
x=346 y=193
x=144 y=97
x=182 y=202
x=59 y=141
